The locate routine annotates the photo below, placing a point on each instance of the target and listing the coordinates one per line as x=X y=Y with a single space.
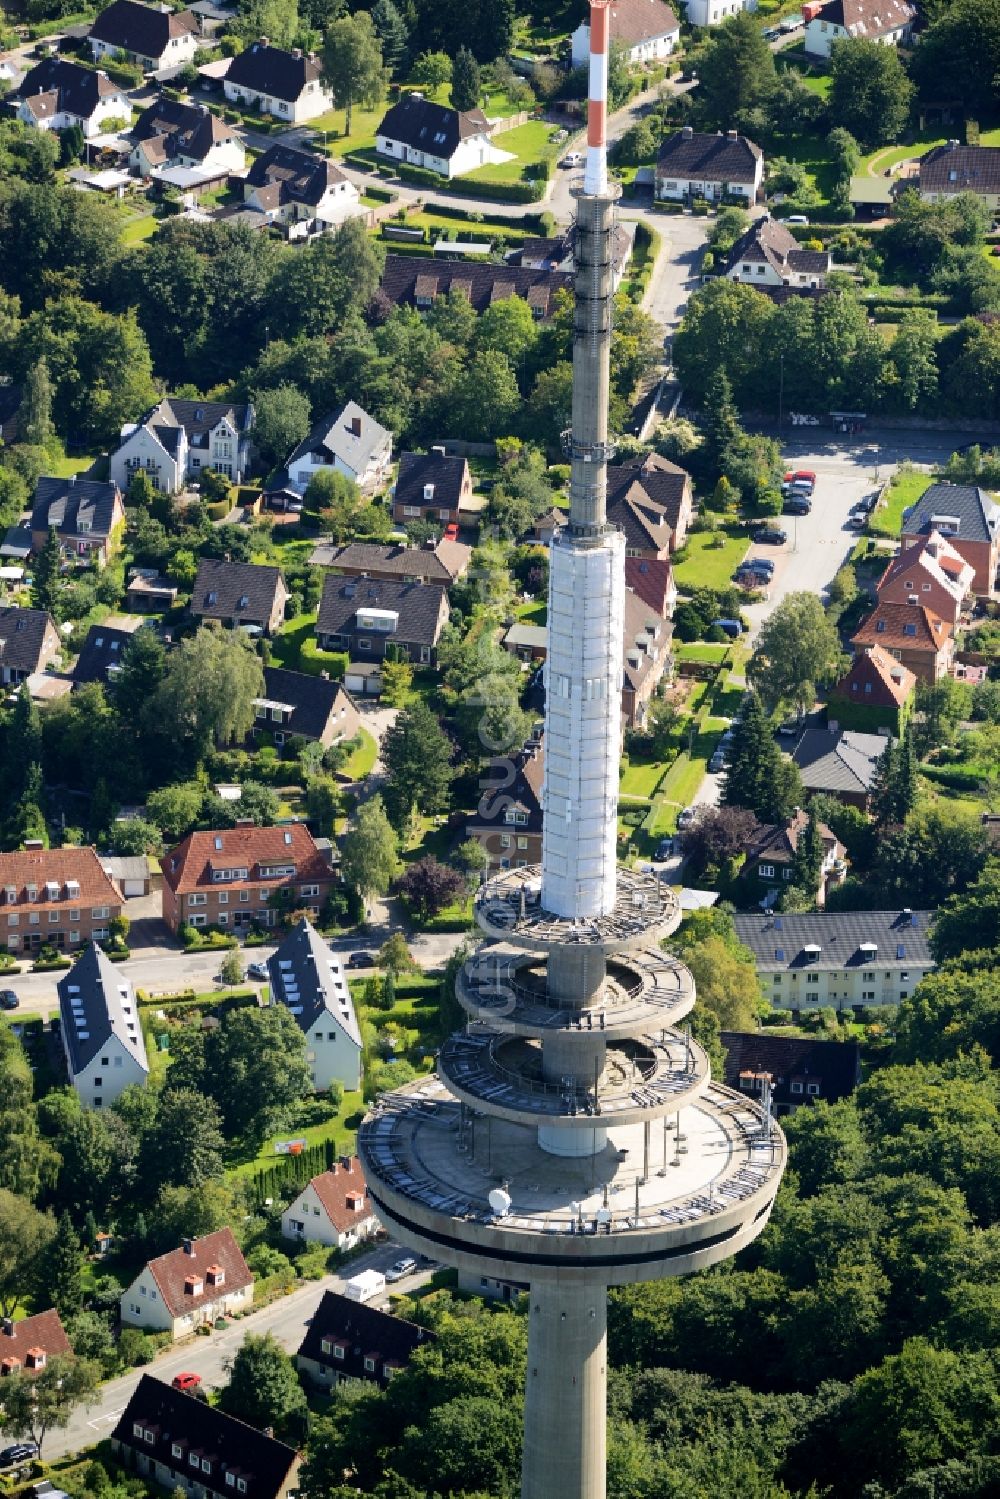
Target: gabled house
x=170 y=133
x=768 y=255
x=435 y=562
x=839 y=762
x=416 y=280
x=29 y=640
x=300 y=188
x=55 y=897
x=557 y=252
x=968 y=519
x=645 y=657
x=712 y=12
x=334 y=1209
x=298 y=705
x=874 y=695
x=100 y=1029
x=953 y=168
x=27 y=1346
x=650 y=499
x=693 y=164
x=154 y=36
x=508 y=820
x=88 y=516
x=436 y=137
x=431 y=487
x=647 y=30
x=244 y=876
x=349 y=442
x=770 y=855
x=919 y=639
x=180 y=438
x=239 y=593
x=652 y=580
x=372 y=620
x=168 y=1437
x=277 y=82
x=887 y=21
x=347 y=1340
x=100 y=655
x=58 y=94
x=930 y=572
x=306 y=977
x=797 y=1070
x=179 y=1291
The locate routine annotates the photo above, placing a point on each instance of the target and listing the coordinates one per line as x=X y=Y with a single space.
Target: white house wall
x=116 y=1067
x=316 y=1226
x=333 y=1056
x=649 y=49
x=166 y=472
x=313 y=101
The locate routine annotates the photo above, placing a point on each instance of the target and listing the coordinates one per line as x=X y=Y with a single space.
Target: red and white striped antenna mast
x=595 y=179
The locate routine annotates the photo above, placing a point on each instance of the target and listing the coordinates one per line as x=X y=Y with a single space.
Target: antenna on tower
x=595 y=176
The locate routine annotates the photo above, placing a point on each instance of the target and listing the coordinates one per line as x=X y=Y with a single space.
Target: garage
x=131 y=875
x=363 y=680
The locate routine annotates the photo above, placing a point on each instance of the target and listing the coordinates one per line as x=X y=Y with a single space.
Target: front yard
x=530 y=143
x=904 y=490
x=708 y=559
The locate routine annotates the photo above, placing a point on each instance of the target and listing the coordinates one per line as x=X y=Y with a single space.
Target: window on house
x=176 y=1450
x=796 y=1087
x=812 y=1089
x=767 y=871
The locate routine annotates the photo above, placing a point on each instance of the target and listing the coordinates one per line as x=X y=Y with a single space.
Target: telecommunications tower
x=572 y=1138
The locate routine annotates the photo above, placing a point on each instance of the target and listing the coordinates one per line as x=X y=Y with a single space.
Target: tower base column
x=565 y=1406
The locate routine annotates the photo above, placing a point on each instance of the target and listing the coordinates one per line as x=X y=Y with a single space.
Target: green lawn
x=702 y=651
x=468 y=229
x=65 y=466
x=288 y=642
x=364 y=123
x=529 y=143
x=536 y=613
x=706 y=564
x=905 y=490
x=640 y=780
x=362 y=759
x=139 y=229
x=336 y=1129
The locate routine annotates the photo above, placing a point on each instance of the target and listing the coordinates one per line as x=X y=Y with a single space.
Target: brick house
x=968 y=519
x=798 y=1070
x=297 y=705
x=912 y=635
x=244 y=876
x=770 y=858
x=347 y=1340
x=508 y=820
x=929 y=572
x=430 y=487
x=27 y=1346
x=651 y=500
x=372 y=620
x=29 y=640
x=875 y=694
x=239 y=593
x=417 y=280
x=333 y=1209
x=55 y=897
x=645 y=657
x=179 y=1291
x=87 y=515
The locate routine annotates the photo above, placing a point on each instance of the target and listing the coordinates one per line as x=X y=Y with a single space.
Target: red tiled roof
x=652 y=579
x=172 y=1271
x=42 y=1333
x=29 y=866
x=890 y=682
x=333 y=1188
x=910 y=627
x=189 y=865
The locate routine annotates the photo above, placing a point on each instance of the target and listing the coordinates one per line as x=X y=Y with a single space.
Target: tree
x=25 y=1234
x=395 y=956
x=722 y=432
x=370 y=851
x=392 y=33
x=335 y=276
x=970 y=921
x=941 y=706
x=36 y=427
x=736 y=74
x=184 y=1144
x=725 y=979
x=46 y=574
x=35 y=1404
x=914 y=355
x=428 y=886
x=466 y=84
x=264 y=1389
x=870 y=93
x=324 y=804
x=417 y=755
x=807 y=861
x=281 y=420
x=207 y=694
x=337 y=499
x=397 y=681
x=797 y=650
x=254 y=1066
x=471 y=858
x=231 y=968
x=352 y=64
x=176 y=809
x=758 y=776
x=493 y=36
x=63 y=1268
x=432 y=70
x=960 y=51
x=715 y=836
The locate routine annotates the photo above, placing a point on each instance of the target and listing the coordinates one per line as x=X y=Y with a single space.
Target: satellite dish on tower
x=603 y=1216
x=499 y=1201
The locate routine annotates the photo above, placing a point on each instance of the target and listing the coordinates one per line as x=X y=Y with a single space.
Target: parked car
x=731 y=627
x=186 y=1380
x=450 y=532
x=718 y=761
x=685 y=818
x=572 y=159
x=771 y=33
x=791 y=728
x=8 y=1000
x=759 y=565
x=770 y=536
x=664 y=849
x=800 y=475
x=258 y=971
x=797 y=504
x=361 y=960
x=19 y=1452
x=401 y=1269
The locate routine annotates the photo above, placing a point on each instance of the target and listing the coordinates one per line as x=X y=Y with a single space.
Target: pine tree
x=750 y=757
x=721 y=421
x=906 y=776
x=45 y=579
x=883 y=793
x=36 y=407
x=64 y=1269
x=466 y=84
x=392 y=33
x=807 y=863
x=24 y=741
x=90 y=1229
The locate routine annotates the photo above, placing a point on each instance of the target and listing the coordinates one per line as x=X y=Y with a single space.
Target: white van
x=366 y=1286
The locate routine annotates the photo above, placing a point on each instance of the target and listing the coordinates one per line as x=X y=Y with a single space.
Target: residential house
x=712 y=12
x=154 y=36
x=647 y=30
x=875 y=695
x=650 y=500
x=796 y=1070
x=244 y=876
x=841 y=959
x=26 y=1346
x=929 y=572
x=887 y=21
x=529 y=643
x=189 y=1287
x=58 y=94
x=374 y=620
x=348 y=1340
x=148 y=592
x=968 y=519
x=100 y=1029
x=913 y=635
x=168 y=1437
x=179 y=438
x=55 y=897
x=508 y=820
x=333 y=1209
x=435 y=562
x=88 y=516
x=276 y=82
x=349 y=442
x=557 y=252
x=416 y=280
x=693 y=164
x=29 y=641
x=646 y=656
x=652 y=580
x=954 y=168
x=301 y=189
x=170 y=133
x=431 y=487
x=839 y=762
x=771 y=851
x=769 y=255
x=298 y=705
x=100 y=655
x=239 y=593
x=436 y=137
x=307 y=977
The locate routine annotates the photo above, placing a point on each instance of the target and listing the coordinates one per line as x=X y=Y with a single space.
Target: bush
x=135 y=1347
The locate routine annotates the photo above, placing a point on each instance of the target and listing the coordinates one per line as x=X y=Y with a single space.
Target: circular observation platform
x=644 y=991
x=509 y=909
x=655 y=1202
x=643 y=1078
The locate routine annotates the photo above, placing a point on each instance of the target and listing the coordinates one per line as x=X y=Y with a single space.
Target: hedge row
x=954 y=780
x=312 y=1161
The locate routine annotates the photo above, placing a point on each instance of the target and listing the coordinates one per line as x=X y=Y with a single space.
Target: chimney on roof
x=33 y=845
x=356 y=426
x=732 y=135
x=686 y=132
x=264 y=41
x=345 y=1162
x=188 y=1245
x=7 y=1327
x=296 y=52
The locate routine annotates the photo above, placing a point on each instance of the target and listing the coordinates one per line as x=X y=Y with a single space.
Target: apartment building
x=55 y=897
x=244 y=876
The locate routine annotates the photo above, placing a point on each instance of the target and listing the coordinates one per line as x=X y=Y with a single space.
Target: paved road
x=286 y=1319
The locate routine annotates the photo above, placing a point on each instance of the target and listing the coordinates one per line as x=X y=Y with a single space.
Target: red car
x=186 y=1381
x=451 y=532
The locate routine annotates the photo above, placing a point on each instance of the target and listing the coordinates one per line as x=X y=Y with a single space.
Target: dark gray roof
x=417 y=279
x=271 y=70
x=690 y=154
x=168 y=437
x=66 y=504
x=100 y=654
x=778 y=942
x=419 y=469
x=440 y=563
x=364 y=1329
x=308 y=979
x=231 y=590
x=978 y=516
x=311 y=699
x=76 y=90
x=303 y=176
x=97 y=1002
x=190 y=129
x=844 y=761
x=198 y=418
x=960 y=169
x=418 y=605
x=769 y=241
x=171 y=1417
x=433 y=128
x=835 y=1065
x=143 y=29
x=22 y=635
x=334 y=437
